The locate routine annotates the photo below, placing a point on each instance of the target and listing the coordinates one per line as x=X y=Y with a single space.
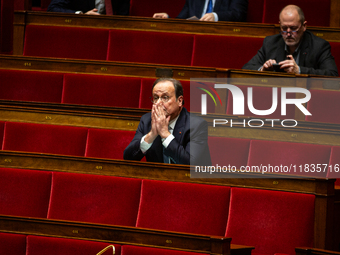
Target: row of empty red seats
x=164 y=205
x=107 y=143
x=132 y=92
x=139 y=46
x=17 y=244
x=83 y=89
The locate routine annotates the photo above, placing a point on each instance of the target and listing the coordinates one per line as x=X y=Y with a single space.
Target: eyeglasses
x=164 y=99
x=292 y=31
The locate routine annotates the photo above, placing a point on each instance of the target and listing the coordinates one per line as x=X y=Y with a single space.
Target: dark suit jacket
x=226 y=10
x=119 y=7
x=190 y=145
x=315 y=55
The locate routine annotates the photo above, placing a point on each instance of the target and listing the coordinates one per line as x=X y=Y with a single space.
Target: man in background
x=295 y=49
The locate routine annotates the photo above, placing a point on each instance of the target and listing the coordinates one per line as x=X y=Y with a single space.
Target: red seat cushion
x=293 y=156
x=45 y=138
x=24 y=192
x=133 y=250
x=227 y=151
x=176 y=207
x=315 y=13
x=94 y=198
x=101 y=90
x=12 y=244
x=37 y=245
x=262 y=100
x=207 y=50
x=66 y=42
x=104 y=143
x=323 y=106
x=31 y=86
x=150 y=47
x=272 y=221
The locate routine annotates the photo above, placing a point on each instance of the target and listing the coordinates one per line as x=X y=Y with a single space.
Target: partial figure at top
x=91 y=7
x=295 y=50
x=212 y=10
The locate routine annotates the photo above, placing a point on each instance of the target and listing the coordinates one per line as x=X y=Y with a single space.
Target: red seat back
x=150 y=47
x=31 y=86
x=2 y=128
x=24 y=192
x=292 y=156
x=101 y=90
x=207 y=51
x=94 y=198
x=12 y=244
x=107 y=143
x=176 y=207
x=323 y=106
x=54 y=139
x=66 y=42
x=227 y=151
x=255 y=11
x=272 y=221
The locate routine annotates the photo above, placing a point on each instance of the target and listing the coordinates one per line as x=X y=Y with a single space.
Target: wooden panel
x=117 y=234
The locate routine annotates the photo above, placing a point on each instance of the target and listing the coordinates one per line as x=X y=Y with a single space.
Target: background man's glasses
x=284 y=30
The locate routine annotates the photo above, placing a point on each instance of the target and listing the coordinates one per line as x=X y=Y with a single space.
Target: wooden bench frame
x=23 y=18
x=323 y=189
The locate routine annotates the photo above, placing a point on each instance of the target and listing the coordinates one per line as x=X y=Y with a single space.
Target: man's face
x=290 y=21
x=165 y=90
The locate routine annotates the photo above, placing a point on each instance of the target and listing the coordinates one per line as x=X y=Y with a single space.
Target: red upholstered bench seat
x=272 y=221
x=226 y=151
x=66 y=42
x=101 y=90
x=289 y=155
x=94 y=198
x=324 y=106
x=150 y=47
x=220 y=51
x=184 y=207
x=31 y=86
x=14 y=244
x=24 y=192
x=44 y=138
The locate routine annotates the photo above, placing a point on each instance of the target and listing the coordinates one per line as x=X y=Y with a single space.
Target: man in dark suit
x=212 y=10
x=90 y=7
x=169 y=134
x=295 y=49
